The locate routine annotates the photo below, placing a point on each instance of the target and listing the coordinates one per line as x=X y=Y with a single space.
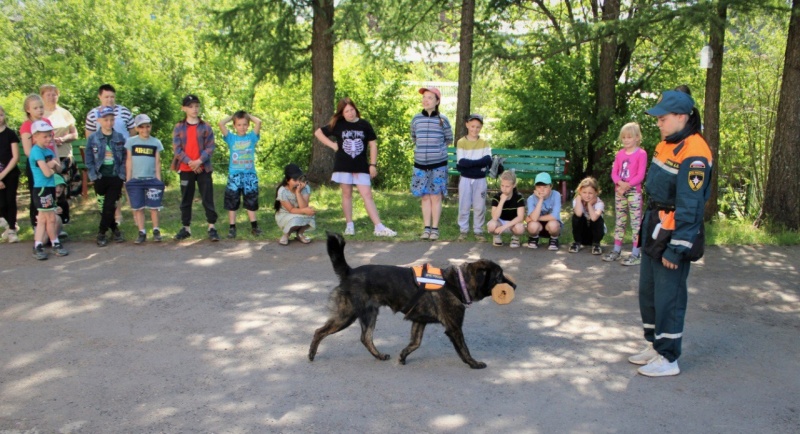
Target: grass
x=399 y=210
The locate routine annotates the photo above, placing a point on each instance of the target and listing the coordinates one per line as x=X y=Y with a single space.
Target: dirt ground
x=213 y=337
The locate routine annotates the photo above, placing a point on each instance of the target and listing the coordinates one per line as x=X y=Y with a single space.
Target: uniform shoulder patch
x=696 y=178
x=697 y=164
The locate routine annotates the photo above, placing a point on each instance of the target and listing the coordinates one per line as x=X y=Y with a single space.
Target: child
x=143 y=172
x=508 y=211
x=628 y=173
x=9 y=178
x=242 y=177
x=587 y=217
x=193 y=145
x=105 y=160
x=352 y=164
x=544 y=213
x=34 y=111
x=291 y=205
x=44 y=165
x=474 y=158
x=62 y=205
x=431 y=134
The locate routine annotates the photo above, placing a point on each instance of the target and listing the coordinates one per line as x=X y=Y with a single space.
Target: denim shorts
x=145 y=193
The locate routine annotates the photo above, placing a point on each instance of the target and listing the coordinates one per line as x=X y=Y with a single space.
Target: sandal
x=302 y=238
x=284 y=241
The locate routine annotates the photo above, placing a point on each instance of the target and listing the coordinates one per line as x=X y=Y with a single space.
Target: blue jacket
x=95 y=154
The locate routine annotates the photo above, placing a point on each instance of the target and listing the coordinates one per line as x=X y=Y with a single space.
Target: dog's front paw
x=477 y=365
x=384 y=357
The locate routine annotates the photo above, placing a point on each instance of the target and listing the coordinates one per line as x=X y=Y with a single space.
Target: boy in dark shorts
x=143 y=172
x=44 y=165
x=242 y=177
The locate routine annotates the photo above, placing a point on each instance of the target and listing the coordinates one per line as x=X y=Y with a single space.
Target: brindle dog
x=363 y=290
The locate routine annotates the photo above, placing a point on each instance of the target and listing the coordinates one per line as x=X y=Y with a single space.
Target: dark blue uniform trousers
x=662 y=302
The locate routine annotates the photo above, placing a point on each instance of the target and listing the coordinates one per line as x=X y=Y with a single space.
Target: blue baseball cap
x=105 y=111
x=672 y=101
x=543 y=178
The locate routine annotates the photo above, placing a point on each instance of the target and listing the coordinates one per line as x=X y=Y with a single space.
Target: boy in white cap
x=44 y=165
x=143 y=172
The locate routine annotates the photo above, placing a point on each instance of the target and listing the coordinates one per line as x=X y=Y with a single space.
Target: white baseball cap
x=141 y=119
x=40 y=126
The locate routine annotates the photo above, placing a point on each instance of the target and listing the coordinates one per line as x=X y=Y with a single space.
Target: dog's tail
x=336 y=253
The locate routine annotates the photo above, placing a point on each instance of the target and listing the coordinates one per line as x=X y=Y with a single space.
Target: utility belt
x=660 y=206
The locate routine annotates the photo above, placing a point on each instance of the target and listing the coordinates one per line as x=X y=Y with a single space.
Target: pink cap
x=433 y=90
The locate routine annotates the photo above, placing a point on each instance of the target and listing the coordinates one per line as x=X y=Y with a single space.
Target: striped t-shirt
x=123 y=120
x=431 y=134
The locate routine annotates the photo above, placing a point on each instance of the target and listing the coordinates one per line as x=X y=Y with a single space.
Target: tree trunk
x=465 y=67
x=781 y=200
x=606 y=89
x=322 y=88
x=713 y=95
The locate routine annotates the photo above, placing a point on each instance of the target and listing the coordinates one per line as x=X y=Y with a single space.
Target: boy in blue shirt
x=242 y=177
x=44 y=165
x=143 y=172
x=544 y=213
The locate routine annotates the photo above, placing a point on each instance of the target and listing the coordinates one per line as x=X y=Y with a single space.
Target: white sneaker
x=350 y=230
x=645 y=356
x=3 y=223
x=12 y=236
x=660 y=367
x=385 y=232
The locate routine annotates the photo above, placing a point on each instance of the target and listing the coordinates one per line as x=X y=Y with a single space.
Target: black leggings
x=8 y=198
x=587 y=232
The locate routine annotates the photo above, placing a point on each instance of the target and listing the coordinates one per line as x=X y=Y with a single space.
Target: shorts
x=241 y=185
x=544 y=233
x=44 y=198
x=145 y=193
x=351 y=178
x=502 y=222
x=430 y=181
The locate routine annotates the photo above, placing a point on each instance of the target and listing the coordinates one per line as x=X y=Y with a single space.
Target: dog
x=363 y=290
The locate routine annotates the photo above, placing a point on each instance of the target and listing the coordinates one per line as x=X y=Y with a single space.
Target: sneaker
x=213 y=235
x=350 y=230
x=38 y=253
x=497 y=240
x=611 y=256
x=3 y=223
x=385 y=232
x=553 y=244
x=632 y=260
x=102 y=240
x=533 y=243
x=462 y=236
x=59 y=250
x=156 y=235
x=118 y=236
x=232 y=233
x=12 y=236
x=141 y=238
x=434 y=234
x=660 y=367
x=645 y=356
x=514 y=242
x=480 y=238
x=597 y=250
x=256 y=232
x=5 y=234
x=575 y=248
x=426 y=235
x=182 y=234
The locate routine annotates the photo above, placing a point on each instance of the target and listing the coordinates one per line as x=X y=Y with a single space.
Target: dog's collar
x=463 y=285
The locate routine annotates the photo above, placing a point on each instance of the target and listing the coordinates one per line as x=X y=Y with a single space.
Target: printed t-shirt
x=143 y=156
x=41 y=154
x=242 y=151
x=353 y=139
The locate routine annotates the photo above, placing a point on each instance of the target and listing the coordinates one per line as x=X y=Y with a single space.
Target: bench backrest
x=525 y=163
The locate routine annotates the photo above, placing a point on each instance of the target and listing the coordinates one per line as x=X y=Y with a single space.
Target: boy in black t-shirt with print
x=508 y=211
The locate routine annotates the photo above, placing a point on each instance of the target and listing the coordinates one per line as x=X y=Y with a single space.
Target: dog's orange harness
x=428 y=278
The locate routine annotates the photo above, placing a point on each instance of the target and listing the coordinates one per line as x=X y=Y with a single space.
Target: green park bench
x=77 y=155
x=527 y=164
